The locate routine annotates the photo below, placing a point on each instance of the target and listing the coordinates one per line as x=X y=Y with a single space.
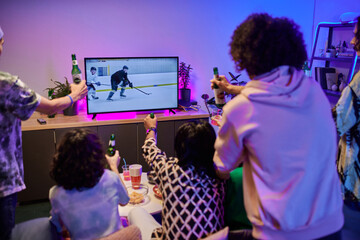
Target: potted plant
x=61 y=90
x=184 y=77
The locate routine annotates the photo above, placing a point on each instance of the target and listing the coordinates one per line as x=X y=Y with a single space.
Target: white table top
x=152 y=207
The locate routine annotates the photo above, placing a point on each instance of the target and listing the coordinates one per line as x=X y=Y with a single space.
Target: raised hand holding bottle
x=75 y=72
x=219 y=94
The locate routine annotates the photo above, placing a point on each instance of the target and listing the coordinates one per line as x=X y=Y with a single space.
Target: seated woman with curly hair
x=86 y=197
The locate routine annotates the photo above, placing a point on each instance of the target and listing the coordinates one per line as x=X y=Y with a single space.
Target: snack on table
x=136 y=198
x=157 y=192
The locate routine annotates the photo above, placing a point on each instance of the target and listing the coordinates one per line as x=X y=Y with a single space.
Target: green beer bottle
x=111 y=147
x=75 y=72
x=50 y=96
x=219 y=94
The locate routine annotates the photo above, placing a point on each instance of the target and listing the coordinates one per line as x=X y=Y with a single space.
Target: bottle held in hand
x=75 y=72
x=111 y=148
x=219 y=94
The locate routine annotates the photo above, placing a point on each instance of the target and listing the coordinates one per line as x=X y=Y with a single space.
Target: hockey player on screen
x=119 y=77
x=92 y=79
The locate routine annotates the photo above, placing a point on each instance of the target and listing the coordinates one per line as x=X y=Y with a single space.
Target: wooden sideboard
x=39 y=141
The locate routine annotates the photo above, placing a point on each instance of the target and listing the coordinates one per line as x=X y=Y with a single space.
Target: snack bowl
x=138 y=196
x=157 y=192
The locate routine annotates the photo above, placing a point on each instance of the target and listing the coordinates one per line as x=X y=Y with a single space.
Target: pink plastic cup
x=126 y=173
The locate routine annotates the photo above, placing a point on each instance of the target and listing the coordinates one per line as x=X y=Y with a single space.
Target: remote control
x=41 y=121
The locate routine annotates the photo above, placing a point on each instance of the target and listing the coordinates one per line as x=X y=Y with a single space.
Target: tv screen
x=126 y=84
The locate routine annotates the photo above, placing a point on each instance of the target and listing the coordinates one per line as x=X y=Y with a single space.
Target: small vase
x=185 y=97
x=71 y=110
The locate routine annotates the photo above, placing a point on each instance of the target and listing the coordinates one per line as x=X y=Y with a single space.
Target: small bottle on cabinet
x=306 y=69
x=50 y=96
x=111 y=147
x=75 y=72
x=219 y=94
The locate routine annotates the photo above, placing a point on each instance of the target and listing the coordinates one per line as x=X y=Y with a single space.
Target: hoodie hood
x=281 y=87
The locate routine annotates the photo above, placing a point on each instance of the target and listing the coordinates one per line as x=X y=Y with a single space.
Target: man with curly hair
x=279 y=126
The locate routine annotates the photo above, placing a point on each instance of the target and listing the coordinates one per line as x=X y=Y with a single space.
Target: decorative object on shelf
x=341 y=81
x=331 y=81
x=61 y=90
x=184 y=78
x=331 y=52
x=306 y=69
x=320 y=76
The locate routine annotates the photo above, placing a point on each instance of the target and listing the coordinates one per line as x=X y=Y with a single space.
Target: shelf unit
x=352 y=60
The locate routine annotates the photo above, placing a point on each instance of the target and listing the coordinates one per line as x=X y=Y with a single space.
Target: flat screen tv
x=126 y=84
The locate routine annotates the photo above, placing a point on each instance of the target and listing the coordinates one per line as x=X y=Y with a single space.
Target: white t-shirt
x=92 y=213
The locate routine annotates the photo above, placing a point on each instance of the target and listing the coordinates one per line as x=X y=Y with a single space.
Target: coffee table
x=153 y=206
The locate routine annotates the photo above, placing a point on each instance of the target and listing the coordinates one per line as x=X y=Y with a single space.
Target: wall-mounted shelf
x=352 y=60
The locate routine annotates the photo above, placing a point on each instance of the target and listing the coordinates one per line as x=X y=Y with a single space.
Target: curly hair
x=194 y=144
x=262 y=43
x=357 y=35
x=79 y=161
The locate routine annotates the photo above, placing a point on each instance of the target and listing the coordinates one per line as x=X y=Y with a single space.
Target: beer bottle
x=50 y=96
x=111 y=147
x=306 y=69
x=219 y=94
x=75 y=72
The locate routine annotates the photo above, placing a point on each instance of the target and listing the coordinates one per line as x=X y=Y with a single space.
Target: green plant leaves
x=60 y=89
x=184 y=74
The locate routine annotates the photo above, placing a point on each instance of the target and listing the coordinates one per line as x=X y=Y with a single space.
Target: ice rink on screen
x=161 y=96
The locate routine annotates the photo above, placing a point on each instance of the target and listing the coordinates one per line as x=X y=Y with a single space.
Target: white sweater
x=282 y=130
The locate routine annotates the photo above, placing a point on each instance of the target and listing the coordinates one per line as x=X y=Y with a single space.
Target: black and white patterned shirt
x=193 y=203
x=17 y=102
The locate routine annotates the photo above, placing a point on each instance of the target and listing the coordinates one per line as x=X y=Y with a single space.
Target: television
x=152 y=84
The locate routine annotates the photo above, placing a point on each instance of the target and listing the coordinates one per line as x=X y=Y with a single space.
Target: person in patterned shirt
x=18 y=102
x=193 y=196
x=346 y=114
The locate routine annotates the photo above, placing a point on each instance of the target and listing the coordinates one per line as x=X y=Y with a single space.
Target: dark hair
x=93 y=68
x=194 y=144
x=262 y=43
x=357 y=35
x=79 y=160
x=125 y=67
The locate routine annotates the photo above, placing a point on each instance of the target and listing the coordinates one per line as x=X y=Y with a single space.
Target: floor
x=351 y=229
x=29 y=211
x=39 y=209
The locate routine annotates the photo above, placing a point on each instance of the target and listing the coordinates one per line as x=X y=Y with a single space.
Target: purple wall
x=40 y=35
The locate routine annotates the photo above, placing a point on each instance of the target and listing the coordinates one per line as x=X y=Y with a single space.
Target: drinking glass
x=135 y=175
x=126 y=173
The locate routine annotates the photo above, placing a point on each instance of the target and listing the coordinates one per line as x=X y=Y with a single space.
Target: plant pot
x=185 y=97
x=71 y=110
